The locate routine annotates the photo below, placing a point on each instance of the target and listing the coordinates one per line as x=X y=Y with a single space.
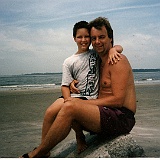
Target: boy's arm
x=114 y=54
x=65 y=92
x=118 y=48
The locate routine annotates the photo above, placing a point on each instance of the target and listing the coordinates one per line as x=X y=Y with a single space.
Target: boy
x=84 y=67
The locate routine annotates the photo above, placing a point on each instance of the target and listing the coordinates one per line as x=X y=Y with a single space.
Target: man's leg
x=80 y=137
x=85 y=114
x=50 y=116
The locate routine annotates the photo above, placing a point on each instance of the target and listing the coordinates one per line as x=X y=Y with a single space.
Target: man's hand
x=73 y=88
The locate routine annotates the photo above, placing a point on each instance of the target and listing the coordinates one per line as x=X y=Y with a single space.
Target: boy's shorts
x=83 y=98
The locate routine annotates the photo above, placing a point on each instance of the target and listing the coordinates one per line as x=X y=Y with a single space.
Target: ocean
x=53 y=80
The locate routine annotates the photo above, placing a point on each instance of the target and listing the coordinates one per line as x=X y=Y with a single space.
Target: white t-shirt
x=83 y=67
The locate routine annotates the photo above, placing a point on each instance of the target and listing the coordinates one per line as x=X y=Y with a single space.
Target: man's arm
x=73 y=88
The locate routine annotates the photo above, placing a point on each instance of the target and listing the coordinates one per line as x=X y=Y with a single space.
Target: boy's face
x=82 y=39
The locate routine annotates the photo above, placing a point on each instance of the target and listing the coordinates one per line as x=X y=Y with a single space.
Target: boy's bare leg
x=80 y=137
x=57 y=132
x=77 y=110
x=50 y=116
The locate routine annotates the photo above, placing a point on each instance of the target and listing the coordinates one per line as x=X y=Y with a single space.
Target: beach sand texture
x=22 y=116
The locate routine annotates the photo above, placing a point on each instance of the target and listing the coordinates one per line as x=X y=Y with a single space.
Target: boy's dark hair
x=99 y=22
x=79 y=25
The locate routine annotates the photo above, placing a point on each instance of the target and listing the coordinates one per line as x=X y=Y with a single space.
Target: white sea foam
x=28 y=86
x=147 y=81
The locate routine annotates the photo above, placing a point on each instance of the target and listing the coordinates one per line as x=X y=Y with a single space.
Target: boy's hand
x=68 y=99
x=114 y=56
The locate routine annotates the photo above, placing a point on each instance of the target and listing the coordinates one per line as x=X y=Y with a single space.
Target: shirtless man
x=113 y=112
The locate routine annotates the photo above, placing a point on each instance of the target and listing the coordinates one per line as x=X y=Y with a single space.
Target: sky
x=36 y=35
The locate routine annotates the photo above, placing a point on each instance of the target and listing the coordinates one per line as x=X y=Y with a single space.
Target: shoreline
x=58 y=88
x=22 y=113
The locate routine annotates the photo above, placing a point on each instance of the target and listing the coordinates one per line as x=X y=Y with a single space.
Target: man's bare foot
x=81 y=143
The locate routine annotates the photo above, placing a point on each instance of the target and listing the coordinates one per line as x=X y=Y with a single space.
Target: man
x=113 y=112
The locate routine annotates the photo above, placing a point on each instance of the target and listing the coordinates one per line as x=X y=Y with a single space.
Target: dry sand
x=22 y=116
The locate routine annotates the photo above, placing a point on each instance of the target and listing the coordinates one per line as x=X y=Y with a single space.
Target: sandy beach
x=22 y=114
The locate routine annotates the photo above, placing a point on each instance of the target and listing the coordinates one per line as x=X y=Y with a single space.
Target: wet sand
x=22 y=114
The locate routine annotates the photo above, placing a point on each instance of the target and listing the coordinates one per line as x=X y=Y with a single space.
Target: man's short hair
x=99 y=22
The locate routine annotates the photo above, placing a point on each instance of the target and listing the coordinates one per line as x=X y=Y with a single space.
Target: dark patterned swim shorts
x=116 y=121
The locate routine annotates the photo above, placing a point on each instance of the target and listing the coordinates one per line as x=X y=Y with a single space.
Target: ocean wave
x=147 y=81
x=28 y=86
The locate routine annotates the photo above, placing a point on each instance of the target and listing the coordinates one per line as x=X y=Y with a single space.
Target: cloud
x=36 y=12
x=36 y=47
x=36 y=36
x=30 y=40
x=141 y=49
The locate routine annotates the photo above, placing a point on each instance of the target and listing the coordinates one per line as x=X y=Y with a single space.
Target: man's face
x=100 y=40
